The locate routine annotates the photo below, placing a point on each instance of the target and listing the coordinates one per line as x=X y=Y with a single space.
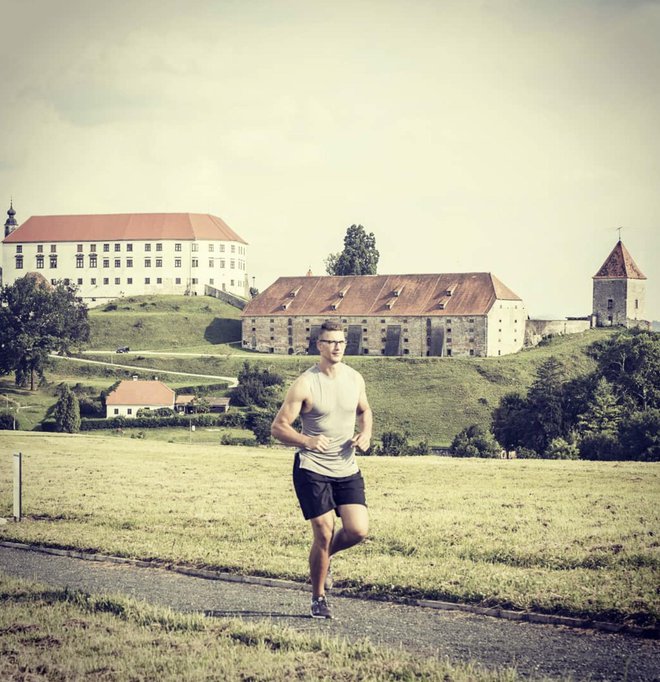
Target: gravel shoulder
x=534 y=649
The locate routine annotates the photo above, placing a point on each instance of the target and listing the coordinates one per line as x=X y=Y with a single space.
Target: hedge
x=228 y=419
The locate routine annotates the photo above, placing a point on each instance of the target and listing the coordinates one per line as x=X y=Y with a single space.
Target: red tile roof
x=122 y=227
x=619 y=265
x=141 y=393
x=429 y=295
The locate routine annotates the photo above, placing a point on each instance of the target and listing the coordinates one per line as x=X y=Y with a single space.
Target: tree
x=545 y=401
x=256 y=387
x=67 y=411
x=630 y=361
x=511 y=421
x=475 y=441
x=37 y=319
x=359 y=256
x=640 y=436
x=602 y=415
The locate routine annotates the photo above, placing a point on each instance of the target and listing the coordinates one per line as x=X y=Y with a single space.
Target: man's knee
x=356 y=534
x=323 y=533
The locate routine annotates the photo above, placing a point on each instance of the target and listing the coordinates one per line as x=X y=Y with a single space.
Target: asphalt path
x=534 y=649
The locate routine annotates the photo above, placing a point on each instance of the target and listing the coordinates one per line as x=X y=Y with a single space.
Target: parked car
x=123 y=349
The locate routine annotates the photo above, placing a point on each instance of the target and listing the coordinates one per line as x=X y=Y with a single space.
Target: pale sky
x=509 y=136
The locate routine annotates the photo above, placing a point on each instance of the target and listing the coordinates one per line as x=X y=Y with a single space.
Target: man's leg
x=355 y=526
x=319 y=556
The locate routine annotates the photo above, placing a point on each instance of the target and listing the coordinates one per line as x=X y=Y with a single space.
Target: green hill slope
x=430 y=398
x=164 y=323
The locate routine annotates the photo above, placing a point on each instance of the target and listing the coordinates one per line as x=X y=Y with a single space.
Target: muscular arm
x=282 y=426
x=365 y=420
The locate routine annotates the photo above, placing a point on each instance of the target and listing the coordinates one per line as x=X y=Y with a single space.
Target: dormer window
x=397 y=291
x=344 y=291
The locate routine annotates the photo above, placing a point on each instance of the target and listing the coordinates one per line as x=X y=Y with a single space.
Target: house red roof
x=123 y=227
x=141 y=393
x=619 y=265
x=429 y=295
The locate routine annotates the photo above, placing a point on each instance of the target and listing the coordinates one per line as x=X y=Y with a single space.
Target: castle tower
x=619 y=291
x=10 y=223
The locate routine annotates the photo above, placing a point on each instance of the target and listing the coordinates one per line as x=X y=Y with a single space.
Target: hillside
x=430 y=398
x=164 y=323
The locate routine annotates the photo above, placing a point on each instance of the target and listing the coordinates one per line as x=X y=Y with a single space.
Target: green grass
x=576 y=538
x=164 y=323
x=57 y=634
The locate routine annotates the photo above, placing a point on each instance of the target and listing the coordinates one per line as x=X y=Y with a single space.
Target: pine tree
x=359 y=256
x=67 y=411
x=602 y=415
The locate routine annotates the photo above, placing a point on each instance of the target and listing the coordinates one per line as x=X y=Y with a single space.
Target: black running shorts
x=319 y=494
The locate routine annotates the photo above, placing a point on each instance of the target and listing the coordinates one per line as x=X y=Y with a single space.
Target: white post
x=18 y=485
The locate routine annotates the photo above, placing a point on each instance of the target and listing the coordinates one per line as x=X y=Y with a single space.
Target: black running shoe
x=320 y=608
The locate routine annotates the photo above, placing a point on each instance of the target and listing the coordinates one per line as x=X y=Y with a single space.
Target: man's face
x=331 y=346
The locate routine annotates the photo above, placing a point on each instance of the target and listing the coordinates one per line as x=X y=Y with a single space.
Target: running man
x=326 y=477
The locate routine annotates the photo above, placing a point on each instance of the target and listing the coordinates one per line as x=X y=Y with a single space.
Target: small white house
x=131 y=396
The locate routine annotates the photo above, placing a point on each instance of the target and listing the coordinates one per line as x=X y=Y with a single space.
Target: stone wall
x=387 y=335
x=536 y=330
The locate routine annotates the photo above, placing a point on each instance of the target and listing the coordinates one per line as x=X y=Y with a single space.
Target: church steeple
x=10 y=223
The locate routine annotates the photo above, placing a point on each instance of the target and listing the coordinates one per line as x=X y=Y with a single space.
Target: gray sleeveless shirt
x=334 y=404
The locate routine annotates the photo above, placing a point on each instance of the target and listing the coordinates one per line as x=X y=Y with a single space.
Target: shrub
x=526 y=453
x=475 y=441
x=7 y=422
x=562 y=449
x=393 y=443
x=600 y=447
x=259 y=422
x=639 y=436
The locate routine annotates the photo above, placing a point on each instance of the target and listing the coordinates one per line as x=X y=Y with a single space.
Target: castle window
x=79 y=248
x=194 y=246
x=19 y=262
x=177 y=262
x=222 y=248
x=129 y=280
x=129 y=247
x=233 y=248
x=53 y=262
x=177 y=247
x=80 y=281
x=636 y=304
x=117 y=280
x=159 y=280
x=232 y=263
x=129 y=262
x=610 y=304
x=80 y=261
x=195 y=262
x=147 y=280
x=147 y=262
x=93 y=281
x=159 y=247
x=177 y=280
x=222 y=262
x=106 y=248
x=210 y=262
x=448 y=352
x=147 y=247
x=159 y=262
x=106 y=281
x=40 y=248
x=106 y=262
x=92 y=261
x=53 y=248
x=92 y=248
x=211 y=248
x=117 y=247
x=40 y=262
x=117 y=262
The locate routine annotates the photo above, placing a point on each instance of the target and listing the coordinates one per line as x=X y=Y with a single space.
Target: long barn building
x=443 y=315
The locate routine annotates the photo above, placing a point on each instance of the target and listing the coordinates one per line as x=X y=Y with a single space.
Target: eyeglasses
x=336 y=343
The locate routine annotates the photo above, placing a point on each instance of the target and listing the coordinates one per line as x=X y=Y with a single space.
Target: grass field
x=63 y=635
x=572 y=537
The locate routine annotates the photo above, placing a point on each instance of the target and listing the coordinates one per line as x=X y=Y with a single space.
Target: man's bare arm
x=282 y=426
x=365 y=419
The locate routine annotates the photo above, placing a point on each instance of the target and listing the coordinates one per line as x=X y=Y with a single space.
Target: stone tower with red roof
x=619 y=291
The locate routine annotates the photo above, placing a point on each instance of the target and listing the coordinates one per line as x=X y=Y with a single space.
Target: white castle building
x=109 y=256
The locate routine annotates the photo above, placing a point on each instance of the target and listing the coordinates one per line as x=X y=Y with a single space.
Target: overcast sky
x=512 y=137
